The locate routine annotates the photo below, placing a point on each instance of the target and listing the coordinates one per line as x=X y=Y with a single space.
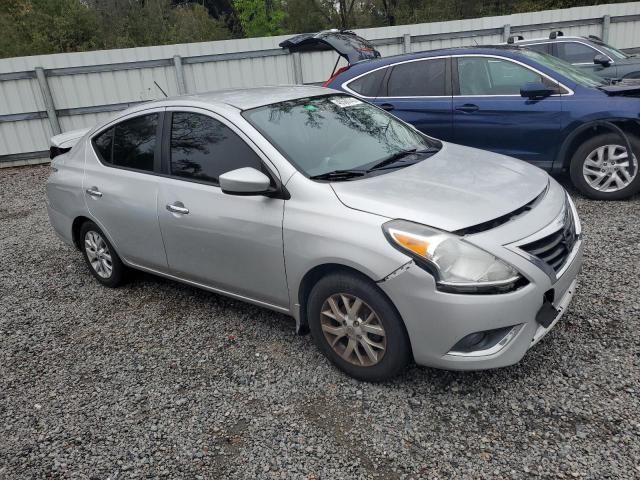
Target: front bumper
x=436 y=321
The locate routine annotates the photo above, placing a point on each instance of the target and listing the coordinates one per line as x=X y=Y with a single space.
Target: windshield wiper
x=339 y=175
x=396 y=157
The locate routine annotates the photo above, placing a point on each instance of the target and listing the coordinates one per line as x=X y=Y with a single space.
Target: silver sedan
x=388 y=245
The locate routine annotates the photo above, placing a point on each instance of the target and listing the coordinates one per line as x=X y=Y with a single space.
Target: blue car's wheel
x=602 y=169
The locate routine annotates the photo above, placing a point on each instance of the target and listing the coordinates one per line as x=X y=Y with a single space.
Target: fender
x=561 y=161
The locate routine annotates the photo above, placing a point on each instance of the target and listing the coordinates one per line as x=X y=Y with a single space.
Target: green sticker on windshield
x=310 y=108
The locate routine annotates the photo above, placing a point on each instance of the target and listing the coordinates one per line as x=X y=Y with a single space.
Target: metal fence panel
x=87 y=87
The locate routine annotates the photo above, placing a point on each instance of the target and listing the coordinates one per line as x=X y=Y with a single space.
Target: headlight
x=457 y=265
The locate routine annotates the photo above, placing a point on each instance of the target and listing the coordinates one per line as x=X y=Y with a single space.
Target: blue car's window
x=424 y=78
x=369 y=85
x=493 y=76
x=575 y=52
x=334 y=132
x=575 y=74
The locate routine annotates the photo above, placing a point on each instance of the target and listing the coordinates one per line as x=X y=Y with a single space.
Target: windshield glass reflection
x=335 y=132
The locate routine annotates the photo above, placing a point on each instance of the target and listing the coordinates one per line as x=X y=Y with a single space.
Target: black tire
x=580 y=157
x=398 y=349
x=118 y=270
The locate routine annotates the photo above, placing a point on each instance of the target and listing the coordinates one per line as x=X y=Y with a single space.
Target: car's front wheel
x=602 y=169
x=357 y=327
x=100 y=256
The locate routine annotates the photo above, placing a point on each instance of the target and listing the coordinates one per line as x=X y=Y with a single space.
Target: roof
x=502 y=49
x=244 y=99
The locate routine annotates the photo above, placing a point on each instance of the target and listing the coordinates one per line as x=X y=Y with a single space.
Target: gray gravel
x=157 y=379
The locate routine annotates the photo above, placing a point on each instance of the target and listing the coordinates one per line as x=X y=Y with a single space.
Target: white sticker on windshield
x=345 y=101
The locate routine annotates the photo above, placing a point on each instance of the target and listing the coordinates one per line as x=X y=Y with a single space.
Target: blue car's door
x=419 y=92
x=490 y=114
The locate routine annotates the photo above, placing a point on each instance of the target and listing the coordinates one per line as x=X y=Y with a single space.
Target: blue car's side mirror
x=536 y=91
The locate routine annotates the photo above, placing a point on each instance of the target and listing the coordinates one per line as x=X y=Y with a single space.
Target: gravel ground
x=161 y=380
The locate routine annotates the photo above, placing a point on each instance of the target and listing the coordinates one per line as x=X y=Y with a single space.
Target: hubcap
x=608 y=169
x=98 y=254
x=353 y=330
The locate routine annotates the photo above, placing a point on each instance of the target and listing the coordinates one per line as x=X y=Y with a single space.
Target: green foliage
x=31 y=27
x=50 y=26
x=260 y=18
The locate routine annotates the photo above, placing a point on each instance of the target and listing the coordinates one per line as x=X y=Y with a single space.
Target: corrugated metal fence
x=44 y=95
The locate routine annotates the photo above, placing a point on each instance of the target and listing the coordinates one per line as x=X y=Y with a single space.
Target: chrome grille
x=554 y=249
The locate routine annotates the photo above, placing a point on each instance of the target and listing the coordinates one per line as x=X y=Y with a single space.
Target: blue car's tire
x=602 y=170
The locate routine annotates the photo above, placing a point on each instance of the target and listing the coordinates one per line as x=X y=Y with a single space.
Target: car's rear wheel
x=100 y=256
x=357 y=328
x=602 y=169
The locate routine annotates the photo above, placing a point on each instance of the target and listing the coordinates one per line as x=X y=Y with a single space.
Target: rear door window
x=369 y=85
x=103 y=144
x=203 y=148
x=423 y=78
x=574 y=52
x=129 y=144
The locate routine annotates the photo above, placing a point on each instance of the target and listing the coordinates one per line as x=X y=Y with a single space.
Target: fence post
x=297 y=68
x=406 y=48
x=506 y=32
x=48 y=101
x=177 y=63
x=606 y=23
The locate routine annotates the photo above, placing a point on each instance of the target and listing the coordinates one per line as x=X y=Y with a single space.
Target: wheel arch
x=313 y=275
x=586 y=130
x=76 y=226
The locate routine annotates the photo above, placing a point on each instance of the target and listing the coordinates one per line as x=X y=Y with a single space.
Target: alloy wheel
x=608 y=168
x=353 y=330
x=98 y=254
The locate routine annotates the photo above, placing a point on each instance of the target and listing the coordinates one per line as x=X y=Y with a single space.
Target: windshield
x=611 y=51
x=333 y=133
x=575 y=74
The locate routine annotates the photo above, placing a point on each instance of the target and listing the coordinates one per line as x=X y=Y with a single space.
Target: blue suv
x=506 y=99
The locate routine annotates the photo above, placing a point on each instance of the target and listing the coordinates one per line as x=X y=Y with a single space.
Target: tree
x=260 y=18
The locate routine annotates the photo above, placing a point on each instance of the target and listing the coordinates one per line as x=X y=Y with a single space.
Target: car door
x=226 y=242
x=490 y=114
x=419 y=92
x=121 y=188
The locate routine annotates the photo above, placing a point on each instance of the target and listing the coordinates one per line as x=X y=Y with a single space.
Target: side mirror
x=244 y=181
x=601 y=59
x=536 y=90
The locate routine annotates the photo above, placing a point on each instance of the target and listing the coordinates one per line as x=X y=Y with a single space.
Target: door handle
x=387 y=106
x=468 y=108
x=94 y=192
x=177 y=207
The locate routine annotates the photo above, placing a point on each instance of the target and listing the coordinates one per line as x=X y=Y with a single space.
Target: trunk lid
x=348 y=45
x=59 y=144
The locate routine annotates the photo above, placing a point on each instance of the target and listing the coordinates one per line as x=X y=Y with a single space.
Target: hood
x=457 y=188
x=347 y=44
x=626 y=88
x=630 y=60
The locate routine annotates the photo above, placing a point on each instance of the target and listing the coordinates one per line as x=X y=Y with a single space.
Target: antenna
x=476 y=42
x=160 y=88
